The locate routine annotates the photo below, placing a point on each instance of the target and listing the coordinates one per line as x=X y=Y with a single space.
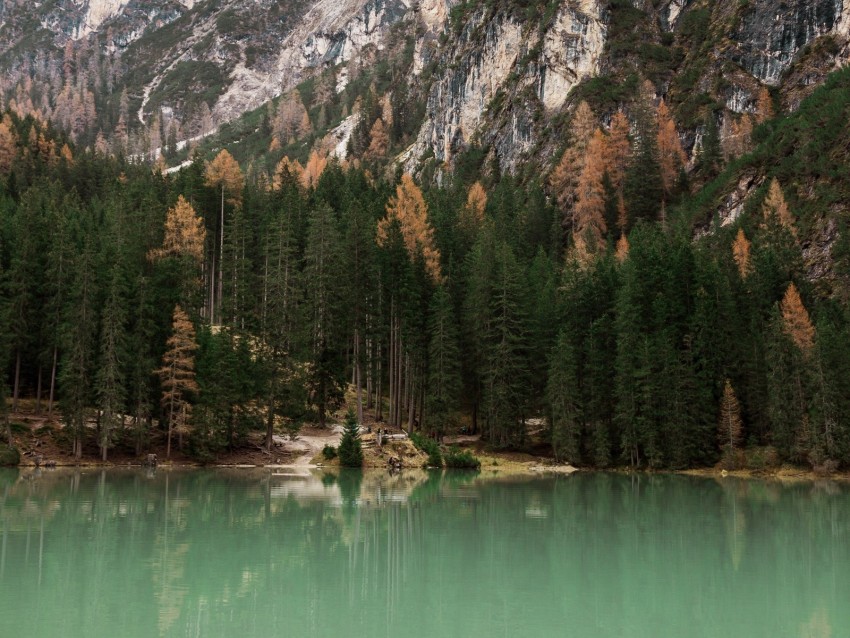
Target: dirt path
x=309 y=443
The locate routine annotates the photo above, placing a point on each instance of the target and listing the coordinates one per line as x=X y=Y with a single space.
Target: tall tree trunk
x=17 y=380
x=38 y=392
x=379 y=399
x=270 y=420
x=52 y=382
x=357 y=376
x=368 y=372
x=391 y=365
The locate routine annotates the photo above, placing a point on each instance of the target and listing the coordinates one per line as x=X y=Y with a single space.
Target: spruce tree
x=350 y=449
x=443 y=389
x=111 y=392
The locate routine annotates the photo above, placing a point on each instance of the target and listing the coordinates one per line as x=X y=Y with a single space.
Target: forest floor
x=36 y=436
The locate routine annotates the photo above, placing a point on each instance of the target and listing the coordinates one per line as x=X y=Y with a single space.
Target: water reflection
x=187 y=553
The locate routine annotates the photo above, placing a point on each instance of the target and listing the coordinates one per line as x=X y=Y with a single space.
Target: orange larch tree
x=741 y=253
x=408 y=208
x=564 y=178
x=775 y=206
x=729 y=426
x=589 y=225
x=177 y=375
x=671 y=155
x=184 y=233
x=796 y=321
x=222 y=173
x=618 y=150
x=764 y=106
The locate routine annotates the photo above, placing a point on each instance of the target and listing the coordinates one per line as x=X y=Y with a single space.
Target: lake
x=243 y=553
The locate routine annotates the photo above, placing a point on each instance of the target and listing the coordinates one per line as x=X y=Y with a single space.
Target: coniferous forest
x=220 y=300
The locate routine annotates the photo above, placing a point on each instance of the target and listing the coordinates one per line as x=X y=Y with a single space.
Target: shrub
x=350 y=451
x=9 y=455
x=430 y=447
x=329 y=452
x=461 y=459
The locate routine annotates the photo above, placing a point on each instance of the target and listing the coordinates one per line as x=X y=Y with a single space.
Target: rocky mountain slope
x=491 y=80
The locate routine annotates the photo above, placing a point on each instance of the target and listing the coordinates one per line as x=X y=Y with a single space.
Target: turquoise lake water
x=242 y=554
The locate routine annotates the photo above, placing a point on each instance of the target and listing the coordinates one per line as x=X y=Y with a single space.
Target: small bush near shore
x=329 y=452
x=9 y=455
x=350 y=451
x=430 y=447
x=462 y=459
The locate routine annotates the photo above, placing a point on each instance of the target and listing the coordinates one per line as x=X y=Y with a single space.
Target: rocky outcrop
x=770 y=35
x=496 y=59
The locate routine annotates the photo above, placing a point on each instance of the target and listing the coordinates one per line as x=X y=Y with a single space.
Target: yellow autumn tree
x=795 y=320
x=671 y=155
x=589 y=223
x=408 y=208
x=184 y=233
x=177 y=375
x=741 y=253
x=776 y=207
x=729 y=426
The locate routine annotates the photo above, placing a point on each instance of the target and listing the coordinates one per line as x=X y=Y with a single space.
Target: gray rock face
x=771 y=34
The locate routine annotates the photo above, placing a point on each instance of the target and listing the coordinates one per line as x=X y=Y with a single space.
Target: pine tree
x=177 y=375
x=443 y=389
x=565 y=400
x=350 y=448
x=505 y=375
x=323 y=296
x=111 y=393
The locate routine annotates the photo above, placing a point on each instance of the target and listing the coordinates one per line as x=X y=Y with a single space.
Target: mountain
x=499 y=74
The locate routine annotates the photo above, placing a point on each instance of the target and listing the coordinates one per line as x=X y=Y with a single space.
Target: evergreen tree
x=350 y=449
x=111 y=392
x=442 y=395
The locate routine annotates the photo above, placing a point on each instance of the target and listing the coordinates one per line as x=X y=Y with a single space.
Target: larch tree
x=224 y=174
x=177 y=375
x=184 y=233
x=8 y=148
x=764 y=105
x=564 y=178
x=618 y=151
x=379 y=142
x=622 y=248
x=729 y=426
x=671 y=156
x=741 y=253
x=795 y=320
x=775 y=207
x=589 y=225
x=316 y=165
x=408 y=208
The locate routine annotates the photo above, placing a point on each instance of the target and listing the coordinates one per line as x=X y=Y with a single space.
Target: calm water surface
x=243 y=554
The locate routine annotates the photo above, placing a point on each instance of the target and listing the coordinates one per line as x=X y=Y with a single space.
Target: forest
x=218 y=301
